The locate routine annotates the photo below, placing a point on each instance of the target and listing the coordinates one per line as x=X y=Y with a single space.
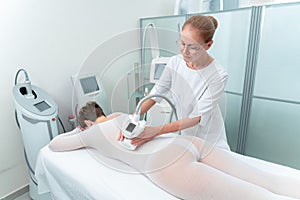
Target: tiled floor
x=24 y=197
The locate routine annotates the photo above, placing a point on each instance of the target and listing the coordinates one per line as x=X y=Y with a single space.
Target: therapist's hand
x=148 y=134
x=121 y=137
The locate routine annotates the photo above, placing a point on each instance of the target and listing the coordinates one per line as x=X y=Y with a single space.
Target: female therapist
x=196 y=82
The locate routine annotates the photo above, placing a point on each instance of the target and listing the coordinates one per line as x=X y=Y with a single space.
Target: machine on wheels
x=37 y=118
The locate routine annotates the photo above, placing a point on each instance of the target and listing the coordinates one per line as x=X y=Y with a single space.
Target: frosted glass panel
x=168 y=30
x=231 y=44
x=231 y=110
x=168 y=22
x=278 y=72
x=274 y=132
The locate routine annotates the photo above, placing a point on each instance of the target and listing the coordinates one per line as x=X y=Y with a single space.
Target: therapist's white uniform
x=196 y=93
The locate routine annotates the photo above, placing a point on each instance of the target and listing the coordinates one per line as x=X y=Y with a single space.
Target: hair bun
x=214 y=21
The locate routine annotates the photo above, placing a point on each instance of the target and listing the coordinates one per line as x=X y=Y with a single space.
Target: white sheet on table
x=77 y=175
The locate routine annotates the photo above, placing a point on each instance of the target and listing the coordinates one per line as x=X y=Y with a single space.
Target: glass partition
x=167 y=29
x=273 y=132
x=231 y=110
x=278 y=63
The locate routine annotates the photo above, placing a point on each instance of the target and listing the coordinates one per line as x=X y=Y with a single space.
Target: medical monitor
x=157 y=67
x=89 y=85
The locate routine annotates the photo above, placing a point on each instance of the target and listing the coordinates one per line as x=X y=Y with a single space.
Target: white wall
x=52 y=39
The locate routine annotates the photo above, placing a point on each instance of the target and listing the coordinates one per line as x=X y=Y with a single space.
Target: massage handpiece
x=132 y=128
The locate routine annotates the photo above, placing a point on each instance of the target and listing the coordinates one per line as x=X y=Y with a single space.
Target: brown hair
x=205 y=25
x=91 y=111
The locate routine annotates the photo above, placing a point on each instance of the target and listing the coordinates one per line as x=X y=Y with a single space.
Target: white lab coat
x=196 y=93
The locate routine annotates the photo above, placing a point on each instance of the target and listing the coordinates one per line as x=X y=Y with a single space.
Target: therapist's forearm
x=147 y=105
x=179 y=125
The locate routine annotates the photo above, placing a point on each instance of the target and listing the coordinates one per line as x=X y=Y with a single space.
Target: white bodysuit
x=172 y=164
x=196 y=93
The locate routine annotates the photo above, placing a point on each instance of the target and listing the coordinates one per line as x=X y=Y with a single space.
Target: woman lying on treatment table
x=176 y=168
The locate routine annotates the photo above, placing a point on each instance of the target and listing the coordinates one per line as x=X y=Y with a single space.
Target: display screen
x=159 y=68
x=130 y=127
x=89 y=85
x=42 y=106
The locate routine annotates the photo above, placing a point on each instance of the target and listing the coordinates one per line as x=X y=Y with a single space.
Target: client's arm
x=71 y=141
x=66 y=141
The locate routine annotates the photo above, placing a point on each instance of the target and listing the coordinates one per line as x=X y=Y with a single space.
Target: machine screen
x=130 y=127
x=159 y=68
x=89 y=85
x=42 y=106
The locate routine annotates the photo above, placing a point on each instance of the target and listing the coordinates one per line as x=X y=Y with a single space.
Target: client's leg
x=268 y=166
x=188 y=179
x=274 y=180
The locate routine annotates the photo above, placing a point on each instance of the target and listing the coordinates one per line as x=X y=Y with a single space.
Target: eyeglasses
x=192 y=48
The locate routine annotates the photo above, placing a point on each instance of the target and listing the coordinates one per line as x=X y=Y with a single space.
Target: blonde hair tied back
x=205 y=25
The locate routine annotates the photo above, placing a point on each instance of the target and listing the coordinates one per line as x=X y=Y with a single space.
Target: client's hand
x=121 y=137
x=148 y=134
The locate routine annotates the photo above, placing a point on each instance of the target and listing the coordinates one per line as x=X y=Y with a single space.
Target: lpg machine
x=88 y=87
x=162 y=111
x=37 y=117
